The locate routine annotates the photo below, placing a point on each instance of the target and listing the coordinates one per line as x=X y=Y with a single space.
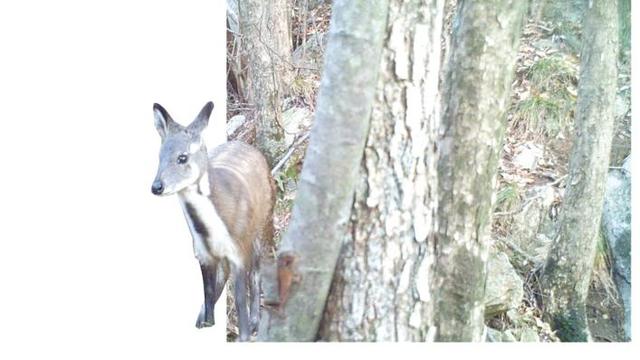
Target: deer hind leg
x=241 y=303
x=254 y=293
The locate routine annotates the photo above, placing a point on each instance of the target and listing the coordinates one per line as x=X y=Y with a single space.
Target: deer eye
x=183 y=158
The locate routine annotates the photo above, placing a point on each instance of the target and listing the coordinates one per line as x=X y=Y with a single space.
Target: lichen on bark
x=476 y=95
x=377 y=292
x=567 y=272
x=321 y=210
x=266 y=46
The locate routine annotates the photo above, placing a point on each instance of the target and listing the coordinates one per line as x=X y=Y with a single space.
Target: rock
x=269 y=282
x=616 y=228
x=504 y=287
x=622 y=105
x=312 y=4
x=507 y=336
x=310 y=55
x=235 y=123
x=532 y=228
x=493 y=335
x=295 y=120
x=513 y=315
x=527 y=156
x=232 y=16
x=529 y=335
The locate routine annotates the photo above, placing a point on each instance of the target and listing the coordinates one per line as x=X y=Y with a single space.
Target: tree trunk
x=325 y=193
x=266 y=45
x=380 y=291
x=476 y=97
x=566 y=276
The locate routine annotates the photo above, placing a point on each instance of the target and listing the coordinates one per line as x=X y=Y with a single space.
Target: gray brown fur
x=242 y=192
x=228 y=218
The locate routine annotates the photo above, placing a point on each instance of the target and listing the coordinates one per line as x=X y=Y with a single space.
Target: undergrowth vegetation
x=547 y=109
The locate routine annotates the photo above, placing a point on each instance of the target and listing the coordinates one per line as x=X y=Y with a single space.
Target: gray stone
x=529 y=335
x=295 y=121
x=493 y=335
x=310 y=55
x=531 y=228
x=616 y=228
x=232 y=16
x=527 y=156
x=235 y=123
x=507 y=336
x=504 y=287
x=312 y=4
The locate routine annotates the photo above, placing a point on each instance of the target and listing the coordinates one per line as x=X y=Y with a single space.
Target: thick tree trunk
x=566 y=276
x=380 y=290
x=477 y=89
x=325 y=193
x=266 y=45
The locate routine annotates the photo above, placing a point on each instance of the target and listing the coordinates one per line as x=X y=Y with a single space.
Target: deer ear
x=162 y=120
x=202 y=120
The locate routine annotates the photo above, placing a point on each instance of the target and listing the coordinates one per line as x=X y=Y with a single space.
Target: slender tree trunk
x=325 y=193
x=266 y=44
x=380 y=289
x=566 y=276
x=476 y=97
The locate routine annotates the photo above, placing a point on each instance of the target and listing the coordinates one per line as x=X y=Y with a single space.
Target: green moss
x=624 y=13
x=571 y=326
x=507 y=197
x=279 y=179
x=602 y=250
x=292 y=172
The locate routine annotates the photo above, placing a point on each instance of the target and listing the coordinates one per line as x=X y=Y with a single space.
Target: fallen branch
x=286 y=156
x=515 y=248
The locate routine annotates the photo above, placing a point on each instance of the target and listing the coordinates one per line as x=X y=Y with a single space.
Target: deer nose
x=157 y=187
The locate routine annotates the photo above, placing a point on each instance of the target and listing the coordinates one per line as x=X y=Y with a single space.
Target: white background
x=91 y=264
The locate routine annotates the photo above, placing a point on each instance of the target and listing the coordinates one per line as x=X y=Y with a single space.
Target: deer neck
x=209 y=232
x=201 y=187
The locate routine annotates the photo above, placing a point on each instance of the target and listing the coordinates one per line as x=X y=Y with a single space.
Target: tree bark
x=325 y=193
x=476 y=97
x=566 y=276
x=266 y=44
x=380 y=290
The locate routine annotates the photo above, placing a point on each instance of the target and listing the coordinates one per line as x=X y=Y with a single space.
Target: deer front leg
x=213 y=279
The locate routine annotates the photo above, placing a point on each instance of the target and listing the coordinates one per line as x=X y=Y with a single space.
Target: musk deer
x=227 y=197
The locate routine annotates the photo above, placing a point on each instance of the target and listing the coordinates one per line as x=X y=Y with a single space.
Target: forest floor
x=533 y=165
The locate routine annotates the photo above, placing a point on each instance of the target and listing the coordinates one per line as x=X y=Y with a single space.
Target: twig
x=558 y=180
x=543 y=27
x=605 y=338
x=518 y=250
x=286 y=157
x=304 y=29
x=529 y=200
x=618 y=168
x=519 y=209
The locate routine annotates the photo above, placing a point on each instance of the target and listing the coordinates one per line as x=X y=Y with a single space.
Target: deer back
x=242 y=192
